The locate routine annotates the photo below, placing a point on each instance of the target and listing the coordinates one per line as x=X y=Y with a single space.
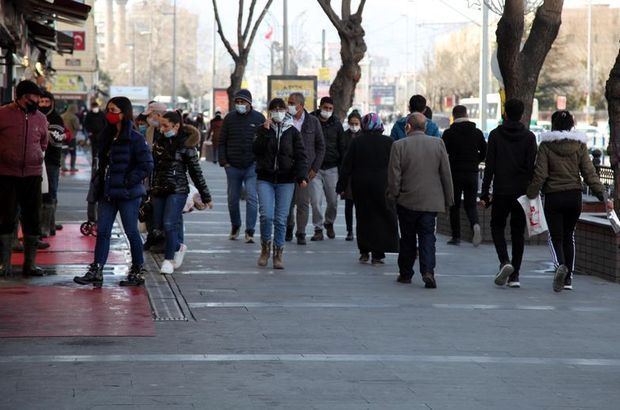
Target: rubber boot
x=278 y=263
x=30 y=253
x=265 y=250
x=53 y=226
x=46 y=219
x=94 y=276
x=6 y=242
x=135 y=276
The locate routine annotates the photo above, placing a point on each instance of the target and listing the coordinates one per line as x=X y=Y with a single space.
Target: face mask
x=142 y=128
x=32 y=106
x=292 y=109
x=113 y=118
x=355 y=128
x=326 y=114
x=95 y=110
x=45 y=110
x=170 y=133
x=241 y=108
x=277 y=116
x=152 y=122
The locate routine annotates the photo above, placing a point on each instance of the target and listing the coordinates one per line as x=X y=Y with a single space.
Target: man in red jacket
x=23 y=132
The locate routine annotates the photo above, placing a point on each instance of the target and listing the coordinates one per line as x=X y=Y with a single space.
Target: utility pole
x=589 y=68
x=484 y=66
x=323 y=62
x=285 y=40
x=174 y=56
x=213 y=61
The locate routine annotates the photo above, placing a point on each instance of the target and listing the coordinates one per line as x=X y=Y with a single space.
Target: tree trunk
x=612 y=94
x=352 y=50
x=520 y=68
x=236 y=78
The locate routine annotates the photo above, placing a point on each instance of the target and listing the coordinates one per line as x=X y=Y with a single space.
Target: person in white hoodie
x=561 y=162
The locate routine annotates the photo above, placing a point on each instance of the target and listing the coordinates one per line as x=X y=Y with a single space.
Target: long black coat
x=365 y=167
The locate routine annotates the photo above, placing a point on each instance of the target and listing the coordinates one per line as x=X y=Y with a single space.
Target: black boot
x=6 y=242
x=46 y=219
x=53 y=226
x=94 y=276
x=289 y=233
x=135 y=276
x=30 y=253
x=16 y=244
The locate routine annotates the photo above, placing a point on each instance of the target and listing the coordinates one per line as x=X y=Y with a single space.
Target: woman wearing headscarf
x=365 y=168
x=355 y=127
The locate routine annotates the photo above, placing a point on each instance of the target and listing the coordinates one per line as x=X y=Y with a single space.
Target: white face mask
x=355 y=128
x=277 y=116
x=241 y=108
x=326 y=114
x=292 y=109
x=95 y=110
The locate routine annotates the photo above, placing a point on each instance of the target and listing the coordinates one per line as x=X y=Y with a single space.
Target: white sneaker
x=179 y=255
x=514 y=284
x=167 y=267
x=477 y=239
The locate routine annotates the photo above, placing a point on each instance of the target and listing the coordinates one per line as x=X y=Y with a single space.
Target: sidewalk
x=329 y=333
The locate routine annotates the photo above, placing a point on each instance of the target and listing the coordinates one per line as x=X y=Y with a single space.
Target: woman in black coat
x=175 y=156
x=365 y=167
x=125 y=160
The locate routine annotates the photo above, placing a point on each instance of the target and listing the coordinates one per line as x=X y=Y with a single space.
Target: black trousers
x=348 y=214
x=466 y=185
x=417 y=229
x=23 y=193
x=504 y=206
x=562 y=210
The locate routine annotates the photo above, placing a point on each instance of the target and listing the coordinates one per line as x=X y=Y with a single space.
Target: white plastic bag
x=612 y=216
x=534 y=215
x=45 y=187
x=191 y=200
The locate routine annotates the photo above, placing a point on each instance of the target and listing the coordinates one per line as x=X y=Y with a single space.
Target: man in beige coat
x=420 y=182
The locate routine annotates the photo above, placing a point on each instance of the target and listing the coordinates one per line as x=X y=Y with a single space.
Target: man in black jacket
x=510 y=161
x=94 y=123
x=236 y=156
x=53 y=154
x=466 y=149
x=327 y=177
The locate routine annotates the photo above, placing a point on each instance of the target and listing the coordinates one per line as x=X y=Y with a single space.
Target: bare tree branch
x=331 y=14
x=231 y=51
x=549 y=15
x=257 y=24
x=240 y=38
x=346 y=9
x=360 y=8
x=248 y=24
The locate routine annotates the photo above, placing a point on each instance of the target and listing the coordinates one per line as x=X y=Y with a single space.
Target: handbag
x=146 y=210
x=534 y=215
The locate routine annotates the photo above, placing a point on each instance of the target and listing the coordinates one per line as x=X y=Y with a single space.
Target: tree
x=352 y=50
x=612 y=93
x=520 y=67
x=245 y=37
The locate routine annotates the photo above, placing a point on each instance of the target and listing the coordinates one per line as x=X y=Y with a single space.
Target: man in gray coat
x=420 y=182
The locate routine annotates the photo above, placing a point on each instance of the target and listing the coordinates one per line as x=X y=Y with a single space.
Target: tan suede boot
x=265 y=251
x=277 y=258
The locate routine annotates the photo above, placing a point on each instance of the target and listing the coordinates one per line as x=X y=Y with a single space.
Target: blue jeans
x=167 y=214
x=236 y=177
x=129 y=217
x=274 y=201
x=53 y=175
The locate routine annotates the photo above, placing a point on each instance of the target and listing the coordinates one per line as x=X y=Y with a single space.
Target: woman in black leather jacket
x=175 y=155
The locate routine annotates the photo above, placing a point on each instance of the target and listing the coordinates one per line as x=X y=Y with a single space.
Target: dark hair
x=514 y=109
x=94 y=104
x=428 y=113
x=124 y=105
x=562 y=121
x=354 y=114
x=141 y=117
x=277 y=103
x=174 y=117
x=417 y=103
x=326 y=100
x=459 y=111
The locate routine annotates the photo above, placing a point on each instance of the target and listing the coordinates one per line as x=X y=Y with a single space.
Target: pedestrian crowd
x=291 y=167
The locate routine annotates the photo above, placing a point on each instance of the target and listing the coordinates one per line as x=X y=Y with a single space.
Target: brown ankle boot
x=265 y=250
x=277 y=258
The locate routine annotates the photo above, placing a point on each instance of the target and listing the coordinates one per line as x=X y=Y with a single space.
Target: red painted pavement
x=61 y=311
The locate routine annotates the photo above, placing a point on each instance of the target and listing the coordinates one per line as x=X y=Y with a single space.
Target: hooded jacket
x=280 y=154
x=511 y=153
x=56 y=134
x=24 y=139
x=236 y=138
x=562 y=160
x=333 y=134
x=465 y=145
x=398 y=130
x=174 y=158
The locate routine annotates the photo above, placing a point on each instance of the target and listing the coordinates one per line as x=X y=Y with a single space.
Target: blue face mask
x=170 y=133
x=142 y=129
x=241 y=108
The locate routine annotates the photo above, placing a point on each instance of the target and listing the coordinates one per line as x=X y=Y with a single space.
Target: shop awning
x=47 y=38
x=68 y=11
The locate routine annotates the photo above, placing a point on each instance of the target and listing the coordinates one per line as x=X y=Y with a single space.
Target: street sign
x=283 y=85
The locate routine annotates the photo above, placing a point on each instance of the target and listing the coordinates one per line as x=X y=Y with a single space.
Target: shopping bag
x=192 y=199
x=612 y=217
x=45 y=187
x=534 y=215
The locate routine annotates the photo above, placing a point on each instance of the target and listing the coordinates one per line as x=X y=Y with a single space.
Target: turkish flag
x=79 y=40
x=269 y=34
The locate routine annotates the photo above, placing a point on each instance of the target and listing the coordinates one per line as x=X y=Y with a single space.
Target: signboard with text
x=383 y=96
x=220 y=100
x=281 y=86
